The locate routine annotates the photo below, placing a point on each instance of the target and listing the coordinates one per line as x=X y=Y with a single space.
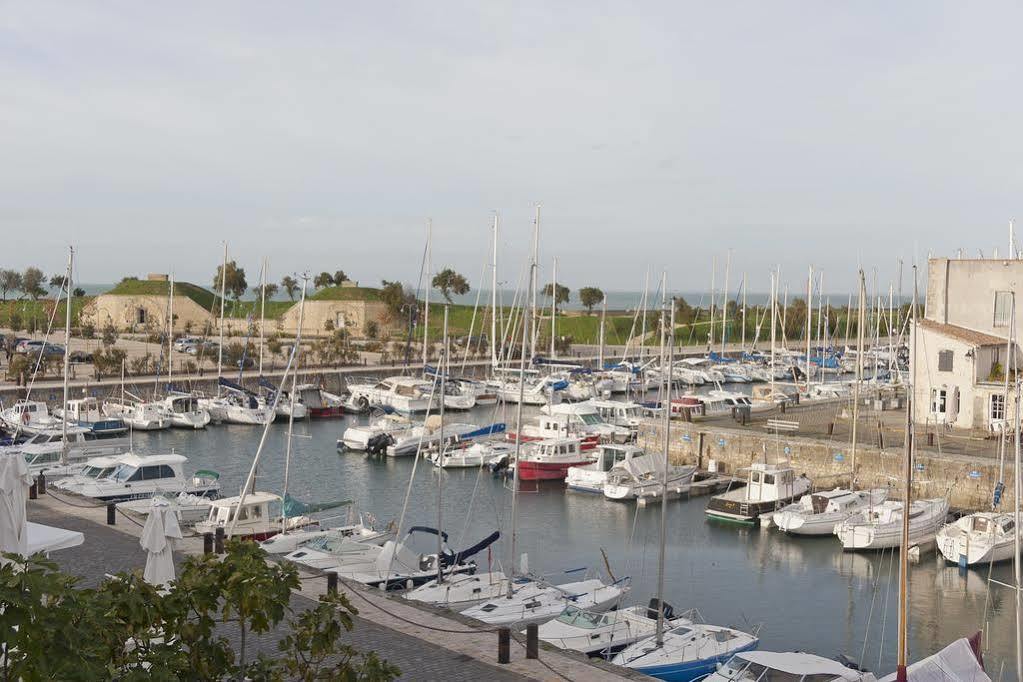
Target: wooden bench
x=782 y=425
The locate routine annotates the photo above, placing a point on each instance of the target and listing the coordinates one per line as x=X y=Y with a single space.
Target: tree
x=234 y=282
x=32 y=283
x=563 y=293
x=271 y=291
x=340 y=277
x=324 y=279
x=57 y=281
x=290 y=286
x=396 y=296
x=448 y=282
x=683 y=311
x=78 y=292
x=10 y=280
x=590 y=296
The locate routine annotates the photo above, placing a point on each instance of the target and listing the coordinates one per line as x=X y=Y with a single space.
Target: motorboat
x=769 y=487
x=373 y=437
x=550 y=459
x=978 y=538
x=818 y=513
x=716 y=403
x=689 y=651
x=483 y=394
x=292 y=539
x=880 y=527
x=459 y=592
x=189 y=509
x=138 y=416
x=626 y=415
x=142 y=476
x=185 y=412
x=44 y=451
x=535 y=390
x=288 y=406
x=591 y=477
x=580 y=419
x=86 y=412
x=400 y=393
x=476 y=454
x=960 y=661
x=28 y=416
x=605 y=633
x=90 y=470
x=537 y=601
x=426 y=436
x=257 y=517
x=748 y=666
x=319 y=403
x=643 y=478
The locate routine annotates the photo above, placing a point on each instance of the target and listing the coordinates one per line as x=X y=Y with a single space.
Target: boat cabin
x=609 y=455
x=767 y=666
x=769 y=482
x=556 y=448
x=1003 y=524
x=183 y=404
x=618 y=413
x=134 y=469
x=259 y=517
x=99 y=467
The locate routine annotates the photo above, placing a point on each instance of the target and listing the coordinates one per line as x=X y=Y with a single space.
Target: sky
x=655 y=136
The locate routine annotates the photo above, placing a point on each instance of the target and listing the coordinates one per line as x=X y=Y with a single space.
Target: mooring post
x=207 y=543
x=111 y=513
x=32 y=491
x=218 y=540
x=42 y=483
x=332 y=583
x=504 y=645
x=831 y=428
x=533 y=641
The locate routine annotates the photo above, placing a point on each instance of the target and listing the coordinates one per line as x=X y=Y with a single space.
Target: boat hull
x=332 y=412
x=546 y=471
x=689 y=671
x=744 y=512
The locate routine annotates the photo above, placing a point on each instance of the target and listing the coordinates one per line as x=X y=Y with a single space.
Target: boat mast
x=262 y=315
x=713 y=300
x=642 y=332
x=291 y=409
x=1005 y=390
x=809 y=319
x=1017 y=490
x=724 y=302
x=861 y=301
x=493 y=299
x=442 y=365
x=744 y=314
x=554 y=303
x=603 y=317
x=170 y=333
x=67 y=354
x=429 y=285
x=907 y=495
x=669 y=339
x=774 y=325
x=518 y=430
x=536 y=259
x=220 y=349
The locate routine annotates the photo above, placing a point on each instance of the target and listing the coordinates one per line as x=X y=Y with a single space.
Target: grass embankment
x=36 y=314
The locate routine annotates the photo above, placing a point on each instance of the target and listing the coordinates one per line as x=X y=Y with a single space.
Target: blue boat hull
x=691 y=670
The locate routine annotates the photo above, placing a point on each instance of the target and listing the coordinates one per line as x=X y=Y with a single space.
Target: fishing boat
x=550 y=459
x=644 y=478
x=536 y=601
x=768 y=488
x=138 y=477
x=603 y=634
x=28 y=416
x=400 y=393
x=794 y=665
x=320 y=404
x=978 y=538
x=185 y=412
x=257 y=517
x=688 y=652
x=818 y=513
x=591 y=477
x=373 y=437
x=881 y=526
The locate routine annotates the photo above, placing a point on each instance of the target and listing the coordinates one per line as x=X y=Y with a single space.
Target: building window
x=140 y=316
x=1003 y=308
x=939 y=398
x=944 y=361
x=997 y=407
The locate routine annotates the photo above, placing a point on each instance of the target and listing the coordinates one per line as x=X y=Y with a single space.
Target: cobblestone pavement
x=108 y=551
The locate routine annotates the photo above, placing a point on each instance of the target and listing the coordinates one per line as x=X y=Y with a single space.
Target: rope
x=92 y=506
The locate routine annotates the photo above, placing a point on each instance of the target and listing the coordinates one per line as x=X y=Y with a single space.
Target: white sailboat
x=881 y=526
x=604 y=633
x=536 y=601
x=644 y=478
x=819 y=513
x=978 y=538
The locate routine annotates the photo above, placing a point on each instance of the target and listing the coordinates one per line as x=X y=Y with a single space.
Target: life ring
x=25 y=418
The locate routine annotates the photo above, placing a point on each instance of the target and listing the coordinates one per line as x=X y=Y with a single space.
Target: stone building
x=962 y=352
x=143 y=305
x=345 y=307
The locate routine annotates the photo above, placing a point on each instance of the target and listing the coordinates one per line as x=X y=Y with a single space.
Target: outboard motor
x=377 y=445
x=651 y=610
x=499 y=465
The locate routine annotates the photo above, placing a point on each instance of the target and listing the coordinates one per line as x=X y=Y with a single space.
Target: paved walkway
x=405 y=635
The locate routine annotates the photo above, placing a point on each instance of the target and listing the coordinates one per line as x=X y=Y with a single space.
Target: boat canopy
x=293 y=507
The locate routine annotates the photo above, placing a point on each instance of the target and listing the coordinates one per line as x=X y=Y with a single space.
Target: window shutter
x=945 y=361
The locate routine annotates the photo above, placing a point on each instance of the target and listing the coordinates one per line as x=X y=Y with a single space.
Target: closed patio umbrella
x=14 y=483
x=158 y=537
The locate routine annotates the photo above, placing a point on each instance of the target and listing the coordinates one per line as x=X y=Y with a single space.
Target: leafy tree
x=563 y=292
x=78 y=292
x=340 y=277
x=684 y=312
x=448 y=282
x=57 y=281
x=109 y=334
x=234 y=281
x=88 y=330
x=372 y=329
x=324 y=279
x=590 y=296
x=290 y=286
x=133 y=278
x=32 y=283
x=10 y=280
x=396 y=296
x=16 y=323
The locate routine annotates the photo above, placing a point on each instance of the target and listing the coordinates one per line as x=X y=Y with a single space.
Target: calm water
x=805 y=594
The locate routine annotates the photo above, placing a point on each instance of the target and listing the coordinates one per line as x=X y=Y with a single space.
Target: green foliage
x=997 y=372
x=108 y=360
x=78 y=292
x=273 y=344
x=448 y=282
x=563 y=292
x=324 y=279
x=32 y=281
x=290 y=286
x=590 y=296
x=57 y=281
x=15 y=322
x=10 y=280
x=233 y=282
x=396 y=297
x=340 y=277
x=140 y=365
x=372 y=329
x=109 y=334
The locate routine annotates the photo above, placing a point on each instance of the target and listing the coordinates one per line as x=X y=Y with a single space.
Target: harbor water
x=802 y=593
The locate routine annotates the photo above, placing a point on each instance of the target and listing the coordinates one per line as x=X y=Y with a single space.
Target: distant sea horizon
x=616 y=300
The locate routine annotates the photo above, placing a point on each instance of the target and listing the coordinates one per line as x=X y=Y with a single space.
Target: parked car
x=26 y=345
x=80 y=356
x=181 y=344
x=48 y=350
x=206 y=347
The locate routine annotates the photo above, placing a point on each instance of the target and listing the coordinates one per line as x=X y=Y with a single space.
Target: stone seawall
x=969 y=481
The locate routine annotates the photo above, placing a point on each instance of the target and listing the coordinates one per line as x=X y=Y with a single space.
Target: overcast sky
x=655 y=135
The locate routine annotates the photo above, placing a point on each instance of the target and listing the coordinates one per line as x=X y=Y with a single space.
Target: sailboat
x=603 y=634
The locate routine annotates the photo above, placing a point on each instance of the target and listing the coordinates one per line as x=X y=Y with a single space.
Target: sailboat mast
x=67 y=354
x=429 y=285
x=774 y=325
x=1016 y=572
x=603 y=317
x=907 y=495
x=744 y=314
x=518 y=432
x=170 y=333
x=669 y=339
x=291 y=409
x=536 y=259
x=442 y=365
x=262 y=313
x=642 y=332
x=220 y=348
x=713 y=300
x=724 y=302
x=493 y=299
x=554 y=303
x=1005 y=389
x=861 y=307
x=809 y=321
